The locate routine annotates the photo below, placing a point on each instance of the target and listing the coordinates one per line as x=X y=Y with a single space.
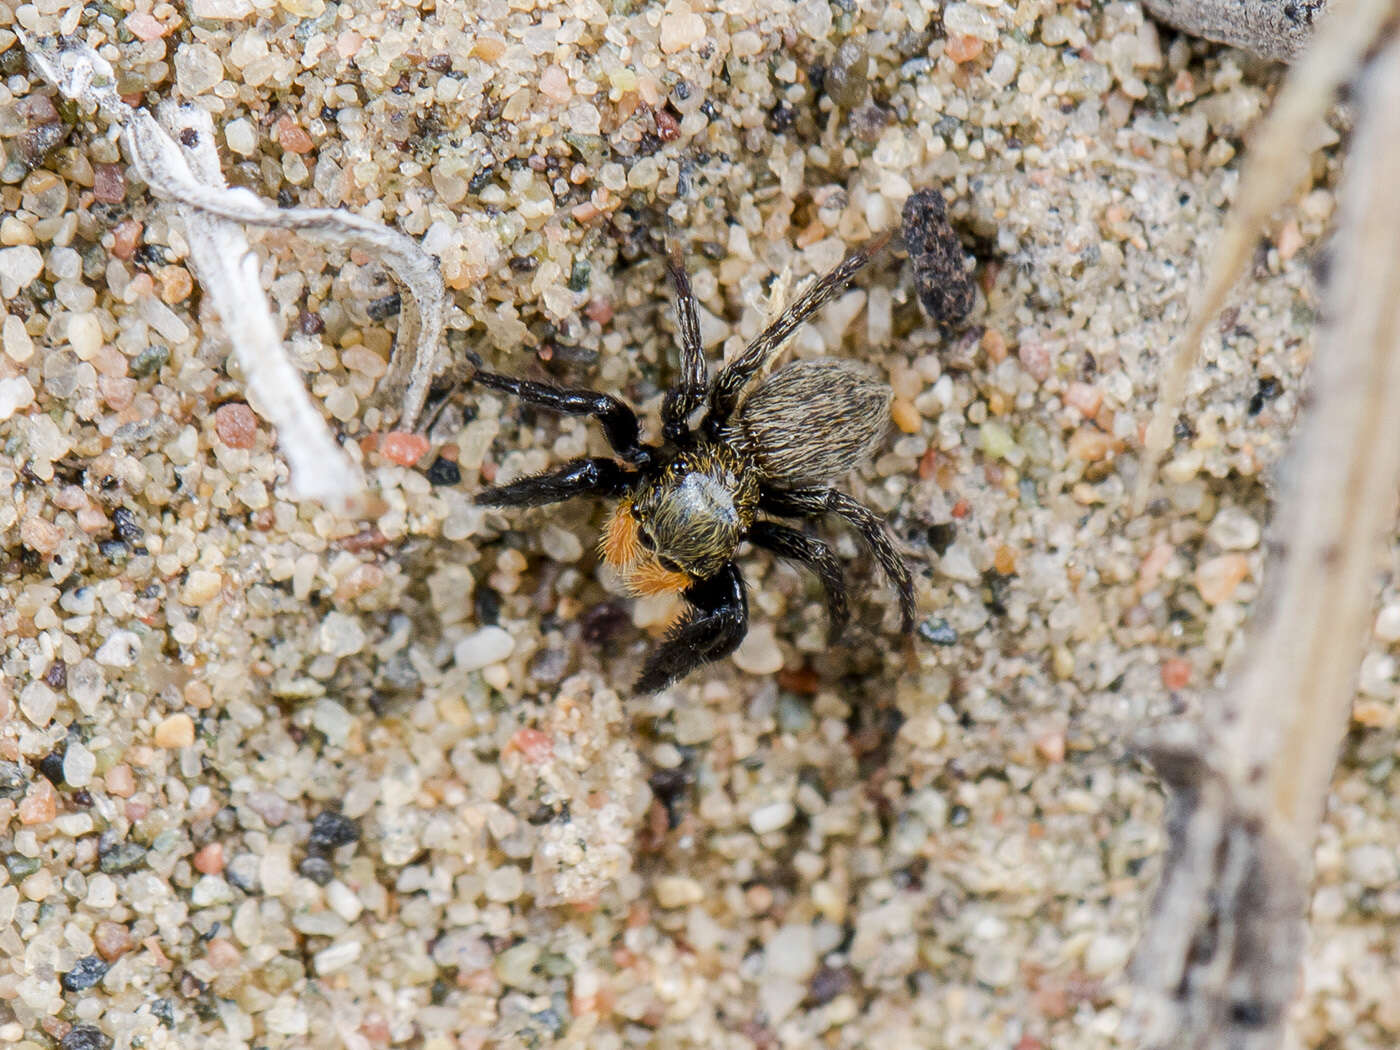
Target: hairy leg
x=689 y=392
x=712 y=628
x=807 y=502
x=579 y=477
x=732 y=379
x=619 y=422
x=789 y=543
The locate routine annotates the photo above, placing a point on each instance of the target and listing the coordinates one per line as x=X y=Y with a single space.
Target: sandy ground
x=274 y=778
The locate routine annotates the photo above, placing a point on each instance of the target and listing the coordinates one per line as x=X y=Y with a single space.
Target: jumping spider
x=685 y=505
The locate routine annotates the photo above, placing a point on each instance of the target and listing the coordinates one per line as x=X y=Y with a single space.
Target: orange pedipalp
x=647 y=577
x=619 y=545
x=638 y=567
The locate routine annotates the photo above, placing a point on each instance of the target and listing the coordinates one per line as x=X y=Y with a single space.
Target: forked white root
x=175 y=155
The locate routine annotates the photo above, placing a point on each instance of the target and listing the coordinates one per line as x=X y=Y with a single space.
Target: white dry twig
x=176 y=157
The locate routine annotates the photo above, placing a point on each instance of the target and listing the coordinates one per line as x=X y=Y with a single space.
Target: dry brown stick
x=1343 y=506
x=1222 y=950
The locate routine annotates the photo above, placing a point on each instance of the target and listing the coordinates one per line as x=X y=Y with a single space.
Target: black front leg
x=579 y=477
x=798 y=503
x=619 y=422
x=816 y=555
x=712 y=628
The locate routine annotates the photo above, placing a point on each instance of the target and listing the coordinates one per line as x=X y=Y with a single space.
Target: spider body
x=695 y=510
x=764 y=448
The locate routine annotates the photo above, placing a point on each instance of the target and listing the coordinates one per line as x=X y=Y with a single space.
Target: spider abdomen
x=812 y=421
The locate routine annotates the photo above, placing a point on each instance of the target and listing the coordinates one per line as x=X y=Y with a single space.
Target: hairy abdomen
x=813 y=421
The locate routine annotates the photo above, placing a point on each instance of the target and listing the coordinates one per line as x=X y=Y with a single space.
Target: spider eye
x=644 y=538
x=668 y=564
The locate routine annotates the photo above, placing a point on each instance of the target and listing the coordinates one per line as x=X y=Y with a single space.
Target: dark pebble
x=575 y=356
x=1269 y=388
x=544 y=814
x=847 y=82
x=123 y=857
x=164 y=1012
x=114 y=549
x=152 y=255
x=868 y=121
x=385 y=308
x=317 y=868
x=938 y=632
x=310 y=322
x=666 y=784
x=56 y=677
x=86 y=972
x=603 y=622
x=85 y=1037
x=550 y=1021
x=443 y=472
x=125 y=526
x=331 y=829
x=150 y=361
x=37 y=143
x=51 y=766
x=944 y=287
x=12 y=62
x=781 y=117
x=480 y=179
x=19 y=866
x=487 y=603
x=827 y=983
x=12 y=780
x=548 y=665
x=940 y=536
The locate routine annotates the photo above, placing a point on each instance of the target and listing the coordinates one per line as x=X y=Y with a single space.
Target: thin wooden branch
x=1222 y=951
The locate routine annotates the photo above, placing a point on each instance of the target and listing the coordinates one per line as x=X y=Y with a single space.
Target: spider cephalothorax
x=685 y=506
x=690 y=515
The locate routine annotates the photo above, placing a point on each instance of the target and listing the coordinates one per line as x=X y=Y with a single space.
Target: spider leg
x=579 y=477
x=689 y=392
x=732 y=379
x=712 y=628
x=806 y=502
x=619 y=422
x=789 y=543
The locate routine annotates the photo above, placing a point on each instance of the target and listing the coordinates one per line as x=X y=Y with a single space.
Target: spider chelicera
x=762 y=449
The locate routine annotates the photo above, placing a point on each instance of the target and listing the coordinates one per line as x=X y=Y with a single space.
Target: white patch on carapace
x=704 y=496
